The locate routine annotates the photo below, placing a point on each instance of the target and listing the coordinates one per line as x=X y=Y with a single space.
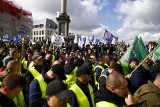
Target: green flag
x=156 y=53
x=142 y=49
x=130 y=53
x=136 y=50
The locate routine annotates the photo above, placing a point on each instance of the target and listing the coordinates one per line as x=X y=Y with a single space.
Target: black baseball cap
x=36 y=57
x=57 y=88
x=84 y=70
x=133 y=59
x=58 y=69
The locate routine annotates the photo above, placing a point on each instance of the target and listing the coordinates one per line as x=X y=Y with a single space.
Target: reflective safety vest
x=5 y=59
x=34 y=72
x=42 y=85
x=24 y=59
x=105 y=104
x=53 y=58
x=102 y=75
x=25 y=65
x=31 y=65
x=81 y=97
x=106 y=65
x=98 y=66
x=19 y=100
x=71 y=78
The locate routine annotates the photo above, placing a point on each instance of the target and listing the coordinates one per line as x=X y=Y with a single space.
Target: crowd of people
x=44 y=75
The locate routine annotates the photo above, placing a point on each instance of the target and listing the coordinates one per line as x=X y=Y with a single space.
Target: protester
x=148 y=95
x=155 y=69
x=139 y=77
x=38 y=86
x=11 y=87
x=115 y=92
x=82 y=89
x=57 y=94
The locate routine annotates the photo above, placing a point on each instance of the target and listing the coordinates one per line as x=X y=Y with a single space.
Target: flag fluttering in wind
x=108 y=38
x=156 y=53
x=17 y=37
x=6 y=37
x=92 y=39
x=136 y=50
x=75 y=39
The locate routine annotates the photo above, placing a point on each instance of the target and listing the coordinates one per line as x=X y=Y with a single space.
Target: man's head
x=157 y=81
x=30 y=54
x=37 y=59
x=62 y=57
x=84 y=74
x=13 y=67
x=49 y=56
x=133 y=63
x=14 y=53
x=117 y=84
x=114 y=67
x=56 y=72
x=56 y=94
x=12 y=85
x=101 y=60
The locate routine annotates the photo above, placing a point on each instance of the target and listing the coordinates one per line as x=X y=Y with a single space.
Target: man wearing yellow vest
x=11 y=87
x=34 y=70
x=115 y=93
x=37 y=91
x=82 y=89
x=57 y=94
x=13 y=67
x=114 y=67
x=100 y=67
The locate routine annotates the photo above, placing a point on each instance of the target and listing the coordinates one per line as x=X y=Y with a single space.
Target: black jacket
x=105 y=95
x=6 y=102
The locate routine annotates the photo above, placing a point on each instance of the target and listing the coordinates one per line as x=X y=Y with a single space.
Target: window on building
x=42 y=32
x=42 y=38
x=34 y=32
x=47 y=32
x=37 y=32
x=50 y=32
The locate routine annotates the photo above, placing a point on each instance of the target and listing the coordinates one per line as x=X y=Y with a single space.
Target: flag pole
x=141 y=63
x=22 y=49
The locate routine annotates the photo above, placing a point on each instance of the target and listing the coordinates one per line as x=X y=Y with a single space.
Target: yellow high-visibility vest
x=81 y=97
x=105 y=104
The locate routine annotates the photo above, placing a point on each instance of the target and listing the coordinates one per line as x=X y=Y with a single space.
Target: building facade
x=14 y=20
x=43 y=29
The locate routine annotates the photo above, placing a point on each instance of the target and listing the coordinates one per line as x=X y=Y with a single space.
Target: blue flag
x=92 y=39
x=17 y=38
x=28 y=37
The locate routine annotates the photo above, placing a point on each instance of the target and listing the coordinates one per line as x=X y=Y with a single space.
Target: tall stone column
x=63 y=6
x=63 y=20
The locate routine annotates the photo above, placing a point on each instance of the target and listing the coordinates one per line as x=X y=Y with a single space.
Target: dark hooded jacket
x=105 y=95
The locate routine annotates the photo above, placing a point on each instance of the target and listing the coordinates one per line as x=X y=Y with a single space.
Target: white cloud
x=142 y=17
x=83 y=13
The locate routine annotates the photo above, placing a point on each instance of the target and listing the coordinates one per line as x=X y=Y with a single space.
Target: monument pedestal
x=63 y=24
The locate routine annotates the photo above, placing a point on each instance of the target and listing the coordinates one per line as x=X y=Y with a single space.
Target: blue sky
x=109 y=16
x=123 y=18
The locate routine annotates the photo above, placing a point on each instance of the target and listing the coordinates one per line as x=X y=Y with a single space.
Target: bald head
x=13 y=66
x=115 y=79
x=56 y=62
x=117 y=84
x=157 y=81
